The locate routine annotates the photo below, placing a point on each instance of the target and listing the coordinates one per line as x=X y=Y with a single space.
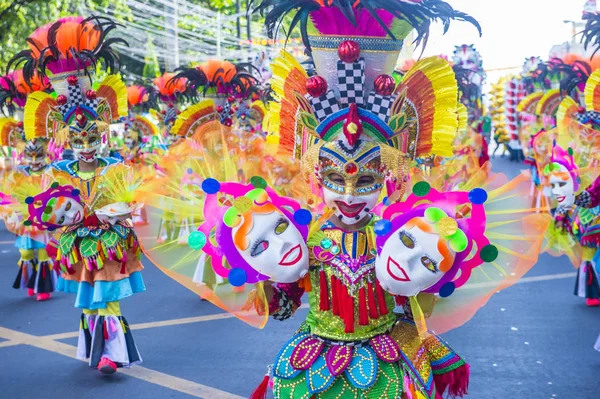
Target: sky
x=512 y=30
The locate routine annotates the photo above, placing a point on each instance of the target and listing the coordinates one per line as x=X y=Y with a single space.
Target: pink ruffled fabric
x=331 y=21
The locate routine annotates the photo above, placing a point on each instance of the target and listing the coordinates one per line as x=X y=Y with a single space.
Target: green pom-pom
x=48 y=209
x=489 y=253
x=54 y=185
x=197 y=240
x=434 y=214
x=570 y=151
x=421 y=189
x=258 y=182
x=27 y=223
x=231 y=218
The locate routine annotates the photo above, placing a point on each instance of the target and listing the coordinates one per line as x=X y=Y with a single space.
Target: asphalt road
x=533 y=340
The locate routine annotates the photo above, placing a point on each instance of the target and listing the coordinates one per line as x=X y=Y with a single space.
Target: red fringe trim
x=383 y=310
x=261 y=391
x=335 y=296
x=363 y=316
x=456 y=381
x=324 y=298
x=373 y=314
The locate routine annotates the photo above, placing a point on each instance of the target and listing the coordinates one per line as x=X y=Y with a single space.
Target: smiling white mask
x=563 y=186
x=410 y=261
x=66 y=211
x=275 y=248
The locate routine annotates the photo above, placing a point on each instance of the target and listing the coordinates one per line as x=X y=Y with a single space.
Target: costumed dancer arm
x=590 y=197
x=285 y=299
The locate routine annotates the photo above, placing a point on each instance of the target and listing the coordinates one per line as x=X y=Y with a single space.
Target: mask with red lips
x=275 y=247
x=86 y=148
x=413 y=259
x=353 y=186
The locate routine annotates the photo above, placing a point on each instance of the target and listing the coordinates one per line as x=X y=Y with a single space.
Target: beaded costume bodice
x=584 y=225
x=346 y=302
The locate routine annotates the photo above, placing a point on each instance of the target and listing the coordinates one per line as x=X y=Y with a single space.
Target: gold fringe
x=41 y=118
x=529 y=103
x=194 y=117
x=432 y=92
x=592 y=92
x=289 y=79
x=114 y=92
x=549 y=103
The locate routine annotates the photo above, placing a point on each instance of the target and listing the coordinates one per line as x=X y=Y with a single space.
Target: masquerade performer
x=36 y=274
x=170 y=93
x=581 y=223
x=497 y=112
x=96 y=247
x=356 y=134
x=145 y=135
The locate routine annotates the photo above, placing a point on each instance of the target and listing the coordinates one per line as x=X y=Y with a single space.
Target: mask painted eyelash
x=409 y=235
x=255 y=246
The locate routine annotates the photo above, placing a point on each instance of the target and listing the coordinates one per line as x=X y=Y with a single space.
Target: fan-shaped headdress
x=351 y=115
x=66 y=52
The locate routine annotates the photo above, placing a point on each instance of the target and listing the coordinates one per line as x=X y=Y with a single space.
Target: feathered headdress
x=216 y=78
x=375 y=18
x=591 y=33
x=141 y=97
x=352 y=112
x=14 y=90
x=67 y=51
x=69 y=44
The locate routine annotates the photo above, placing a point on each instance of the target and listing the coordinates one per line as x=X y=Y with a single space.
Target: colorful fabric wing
x=515 y=230
x=528 y=105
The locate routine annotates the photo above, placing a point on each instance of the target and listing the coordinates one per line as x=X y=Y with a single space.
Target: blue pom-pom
x=478 y=196
x=29 y=200
x=211 y=186
x=190 y=171
x=447 y=289
x=382 y=227
x=75 y=192
x=303 y=217
x=237 y=277
x=385 y=201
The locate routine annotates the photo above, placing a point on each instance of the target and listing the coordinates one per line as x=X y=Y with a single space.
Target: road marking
x=164 y=323
x=223 y=316
x=138 y=372
x=525 y=280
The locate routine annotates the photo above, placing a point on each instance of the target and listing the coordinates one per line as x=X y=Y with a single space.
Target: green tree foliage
x=151 y=65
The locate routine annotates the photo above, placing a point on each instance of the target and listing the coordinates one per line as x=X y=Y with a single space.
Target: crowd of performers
x=366 y=189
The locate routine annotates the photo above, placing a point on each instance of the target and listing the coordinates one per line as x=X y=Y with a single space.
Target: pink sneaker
x=43 y=297
x=30 y=292
x=592 y=302
x=107 y=366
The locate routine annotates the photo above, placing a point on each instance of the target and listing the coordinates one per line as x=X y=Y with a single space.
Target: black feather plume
x=418 y=14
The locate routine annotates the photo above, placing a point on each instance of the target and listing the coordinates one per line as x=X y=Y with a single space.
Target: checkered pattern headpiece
x=351 y=82
x=350 y=89
x=75 y=98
